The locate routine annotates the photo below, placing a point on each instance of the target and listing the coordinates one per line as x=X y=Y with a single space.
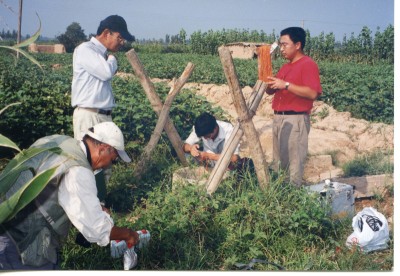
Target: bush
x=376 y=162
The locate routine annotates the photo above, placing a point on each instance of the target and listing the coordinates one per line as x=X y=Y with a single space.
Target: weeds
x=193 y=231
x=377 y=162
x=323 y=113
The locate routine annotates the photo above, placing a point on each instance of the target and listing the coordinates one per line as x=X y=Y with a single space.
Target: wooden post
x=237 y=133
x=225 y=158
x=156 y=104
x=245 y=118
x=155 y=137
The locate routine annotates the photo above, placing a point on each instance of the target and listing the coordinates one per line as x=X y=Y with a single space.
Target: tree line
x=7 y=35
x=364 y=47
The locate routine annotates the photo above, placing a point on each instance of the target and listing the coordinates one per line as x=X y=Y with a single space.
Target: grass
x=191 y=230
x=377 y=162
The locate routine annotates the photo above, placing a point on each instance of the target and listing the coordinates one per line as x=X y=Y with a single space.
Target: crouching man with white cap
x=31 y=240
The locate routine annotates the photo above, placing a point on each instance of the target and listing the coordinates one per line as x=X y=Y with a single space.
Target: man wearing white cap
x=32 y=238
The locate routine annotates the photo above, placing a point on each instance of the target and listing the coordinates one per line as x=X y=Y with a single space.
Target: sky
x=154 y=19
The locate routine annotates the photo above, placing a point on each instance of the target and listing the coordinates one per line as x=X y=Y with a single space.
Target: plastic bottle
x=119 y=248
x=130 y=256
x=144 y=238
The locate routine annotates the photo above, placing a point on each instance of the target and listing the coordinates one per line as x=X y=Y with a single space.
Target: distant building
x=244 y=50
x=56 y=48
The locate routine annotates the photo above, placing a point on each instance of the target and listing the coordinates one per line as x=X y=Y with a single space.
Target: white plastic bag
x=130 y=258
x=371 y=231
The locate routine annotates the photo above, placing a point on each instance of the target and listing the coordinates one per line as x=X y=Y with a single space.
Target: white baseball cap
x=110 y=134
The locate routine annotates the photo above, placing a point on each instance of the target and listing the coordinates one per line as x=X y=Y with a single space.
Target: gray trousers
x=82 y=120
x=290 y=144
x=10 y=259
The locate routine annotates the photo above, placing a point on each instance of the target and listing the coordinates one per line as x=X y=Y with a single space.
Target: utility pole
x=19 y=24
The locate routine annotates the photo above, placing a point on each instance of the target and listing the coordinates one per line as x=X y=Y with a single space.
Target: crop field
x=283 y=226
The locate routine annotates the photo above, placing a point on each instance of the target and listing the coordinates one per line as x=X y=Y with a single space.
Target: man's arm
x=95 y=64
x=204 y=156
x=77 y=195
x=275 y=84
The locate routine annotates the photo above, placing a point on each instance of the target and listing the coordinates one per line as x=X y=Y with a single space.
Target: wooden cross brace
x=244 y=126
x=164 y=122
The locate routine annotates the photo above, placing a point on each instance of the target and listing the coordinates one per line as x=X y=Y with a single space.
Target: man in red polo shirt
x=295 y=88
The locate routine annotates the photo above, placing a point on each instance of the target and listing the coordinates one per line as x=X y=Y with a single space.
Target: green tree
x=182 y=36
x=384 y=44
x=72 y=37
x=365 y=41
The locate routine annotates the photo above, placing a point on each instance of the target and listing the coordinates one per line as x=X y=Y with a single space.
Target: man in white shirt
x=93 y=70
x=213 y=134
x=31 y=239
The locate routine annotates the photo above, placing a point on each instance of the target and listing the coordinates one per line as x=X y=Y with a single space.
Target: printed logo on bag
x=373 y=222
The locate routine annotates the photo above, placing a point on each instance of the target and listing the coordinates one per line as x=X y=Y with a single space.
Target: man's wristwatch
x=287 y=85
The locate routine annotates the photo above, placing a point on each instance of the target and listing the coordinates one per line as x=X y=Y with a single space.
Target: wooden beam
x=156 y=104
x=237 y=133
x=245 y=123
x=155 y=137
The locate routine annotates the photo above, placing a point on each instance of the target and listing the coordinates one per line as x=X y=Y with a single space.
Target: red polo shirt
x=303 y=72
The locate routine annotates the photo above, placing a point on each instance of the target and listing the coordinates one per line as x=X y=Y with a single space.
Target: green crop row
x=364 y=90
x=367 y=91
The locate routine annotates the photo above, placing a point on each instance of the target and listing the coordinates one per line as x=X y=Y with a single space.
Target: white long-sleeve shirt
x=77 y=195
x=216 y=145
x=92 y=75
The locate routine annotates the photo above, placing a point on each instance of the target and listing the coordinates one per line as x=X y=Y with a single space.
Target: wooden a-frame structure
x=245 y=112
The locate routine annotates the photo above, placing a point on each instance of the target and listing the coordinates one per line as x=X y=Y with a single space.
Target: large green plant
x=31 y=189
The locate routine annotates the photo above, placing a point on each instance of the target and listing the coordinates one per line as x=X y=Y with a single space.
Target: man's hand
x=128 y=235
x=275 y=83
x=133 y=238
x=106 y=210
x=194 y=150
x=203 y=156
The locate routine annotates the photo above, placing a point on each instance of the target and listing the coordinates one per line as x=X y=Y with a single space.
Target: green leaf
x=26 y=43
x=28 y=56
x=1 y=111
x=24 y=156
x=32 y=39
x=10 y=207
x=5 y=142
x=8 y=179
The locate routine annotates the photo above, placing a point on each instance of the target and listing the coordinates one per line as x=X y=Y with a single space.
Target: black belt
x=97 y=110
x=290 y=112
x=104 y=112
